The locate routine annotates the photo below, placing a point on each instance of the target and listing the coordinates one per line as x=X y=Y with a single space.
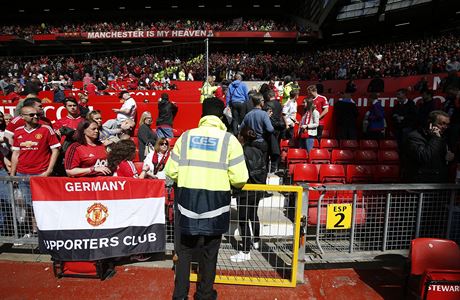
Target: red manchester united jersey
x=18 y=121
x=321 y=103
x=85 y=156
x=126 y=169
x=34 y=148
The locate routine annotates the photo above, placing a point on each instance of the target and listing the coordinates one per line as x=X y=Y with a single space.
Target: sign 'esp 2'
x=338 y=216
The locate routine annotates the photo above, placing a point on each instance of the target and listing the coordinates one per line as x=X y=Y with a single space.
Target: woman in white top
x=156 y=160
x=308 y=125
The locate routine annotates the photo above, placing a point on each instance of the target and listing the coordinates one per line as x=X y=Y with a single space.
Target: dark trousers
x=208 y=246
x=247 y=210
x=319 y=132
x=238 y=112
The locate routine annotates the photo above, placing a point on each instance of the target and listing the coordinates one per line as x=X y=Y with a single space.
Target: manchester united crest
x=96 y=214
x=38 y=136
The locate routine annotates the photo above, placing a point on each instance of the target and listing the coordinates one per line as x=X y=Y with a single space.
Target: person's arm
x=14 y=162
x=237 y=171
x=314 y=123
x=79 y=172
x=268 y=124
x=324 y=112
x=425 y=150
x=172 y=165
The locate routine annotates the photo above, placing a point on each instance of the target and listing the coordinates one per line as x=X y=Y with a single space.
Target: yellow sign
x=338 y=216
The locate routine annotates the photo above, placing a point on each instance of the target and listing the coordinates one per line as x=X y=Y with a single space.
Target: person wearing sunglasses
x=155 y=161
x=35 y=151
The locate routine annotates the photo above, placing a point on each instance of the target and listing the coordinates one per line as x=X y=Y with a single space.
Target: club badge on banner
x=97 y=218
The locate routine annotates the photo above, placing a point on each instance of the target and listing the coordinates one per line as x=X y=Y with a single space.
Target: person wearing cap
x=205 y=163
x=167 y=111
x=128 y=109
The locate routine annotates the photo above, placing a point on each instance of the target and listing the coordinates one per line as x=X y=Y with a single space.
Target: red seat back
x=319 y=156
x=328 y=144
x=365 y=157
x=326 y=133
x=368 y=144
x=340 y=156
x=386 y=173
x=296 y=155
x=331 y=173
x=433 y=253
x=359 y=173
x=349 y=144
x=305 y=173
x=388 y=145
x=388 y=157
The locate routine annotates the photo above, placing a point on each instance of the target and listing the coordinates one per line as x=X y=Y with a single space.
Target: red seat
x=388 y=145
x=315 y=143
x=386 y=173
x=136 y=157
x=319 y=156
x=139 y=165
x=328 y=144
x=305 y=173
x=331 y=173
x=313 y=195
x=326 y=133
x=135 y=140
x=430 y=257
x=349 y=144
x=388 y=157
x=359 y=173
x=368 y=144
x=340 y=156
x=365 y=157
x=296 y=155
x=284 y=145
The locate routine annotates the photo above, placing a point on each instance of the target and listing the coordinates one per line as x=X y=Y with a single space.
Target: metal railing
x=354 y=221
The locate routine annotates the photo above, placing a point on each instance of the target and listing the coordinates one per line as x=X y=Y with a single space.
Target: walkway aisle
x=26 y=280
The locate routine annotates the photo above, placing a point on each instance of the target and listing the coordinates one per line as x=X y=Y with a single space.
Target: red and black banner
x=97 y=218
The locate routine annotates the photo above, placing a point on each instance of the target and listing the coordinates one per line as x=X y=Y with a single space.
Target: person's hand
x=449 y=156
x=102 y=170
x=145 y=168
x=434 y=130
x=45 y=174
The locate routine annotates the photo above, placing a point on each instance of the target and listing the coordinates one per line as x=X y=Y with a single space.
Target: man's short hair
x=70 y=99
x=122 y=93
x=434 y=115
x=213 y=107
x=312 y=88
x=257 y=99
x=30 y=102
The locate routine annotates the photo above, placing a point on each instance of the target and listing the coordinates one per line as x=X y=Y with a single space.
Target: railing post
x=419 y=215
x=318 y=225
x=301 y=258
x=385 y=224
x=353 y=220
x=453 y=195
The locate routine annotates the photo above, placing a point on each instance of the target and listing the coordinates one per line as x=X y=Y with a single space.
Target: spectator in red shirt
x=87 y=156
x=19 y=121
x=35 y=151
x=73 y=117
x=322 y=106
x=120 y=160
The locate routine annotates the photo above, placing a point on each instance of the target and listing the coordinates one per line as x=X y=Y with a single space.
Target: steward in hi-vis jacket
x=205 y=163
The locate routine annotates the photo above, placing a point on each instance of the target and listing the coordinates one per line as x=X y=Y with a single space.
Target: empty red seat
x=332 y=173
x=349 y=144
x=315 y=143
x=359 y=173
x=296 y=155
x=365 y=157
x=305 y=173
x=328 y=144
x=388 y=157
x=313 y=195
x=326 y=133
x=388 y=145
x=319 y=156
x=284 y=145
x=386 y=173
x=340 y=156
x=368 y=144
x=434 y=262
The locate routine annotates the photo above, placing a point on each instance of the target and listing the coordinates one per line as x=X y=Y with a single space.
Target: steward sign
x=97 y=218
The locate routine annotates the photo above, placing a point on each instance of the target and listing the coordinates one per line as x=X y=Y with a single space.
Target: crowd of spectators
x=237 y=24
x=391 y=59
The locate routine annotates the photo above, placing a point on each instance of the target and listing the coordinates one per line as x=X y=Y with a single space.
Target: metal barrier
x=274 y=251
x=349 y=222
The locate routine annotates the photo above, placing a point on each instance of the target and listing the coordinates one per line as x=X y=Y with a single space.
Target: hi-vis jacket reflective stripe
x=205 y=162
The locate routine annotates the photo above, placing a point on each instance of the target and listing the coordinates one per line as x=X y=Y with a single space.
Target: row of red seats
x=341 y=156
x=322 y=173
x=350 y=144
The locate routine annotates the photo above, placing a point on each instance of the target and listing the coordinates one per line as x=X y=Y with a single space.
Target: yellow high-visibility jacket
x=207 y=91
x=205 y=163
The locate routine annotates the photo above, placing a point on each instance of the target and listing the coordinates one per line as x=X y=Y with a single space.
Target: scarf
x=159 y=165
